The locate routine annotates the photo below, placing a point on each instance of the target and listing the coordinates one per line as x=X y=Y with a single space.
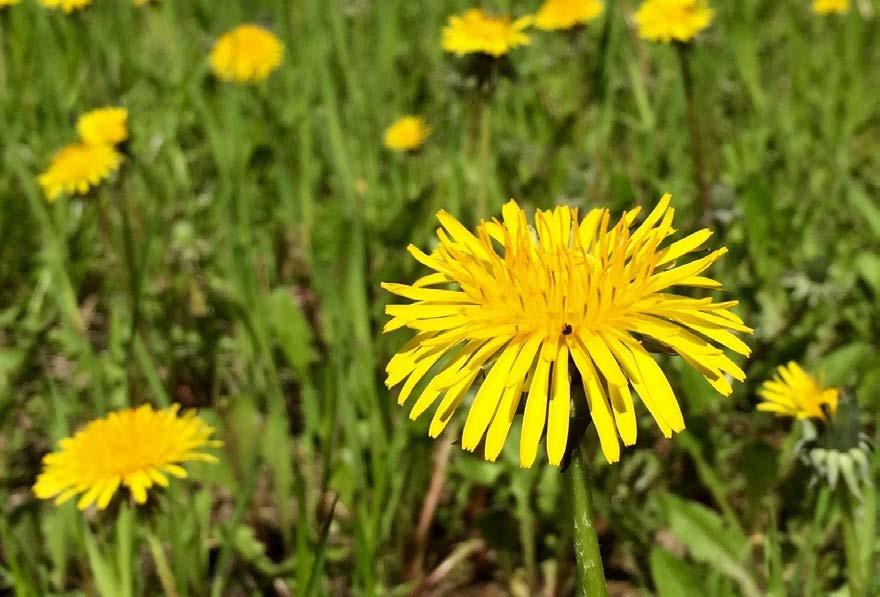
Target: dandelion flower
x=824 y=7
x=136 y=448
x=5 y=3
x=475 y=32
x=68 y=6
x=565 y=14
x=246 y=54
x=104 y=126
x=668 y=20
x=795 y=393
x=141 y=2
x=78 y=167
x=407 y=133
x=522 y=302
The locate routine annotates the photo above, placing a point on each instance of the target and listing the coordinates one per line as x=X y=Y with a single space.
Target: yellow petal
x=487 y=398
x=535 y=414
x=560 y=409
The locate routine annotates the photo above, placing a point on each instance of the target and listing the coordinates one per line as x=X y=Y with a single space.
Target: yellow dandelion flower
x=565 y=14
x=78 y=167
x=246 y=54
x=4 y=3
x=68 y=6
x=562 y=291
x=141 y=2
x=795 y=393
x=135 y=447
x=824 y=7
x=668 y=20
x=475 y=32
x=407 y=133
x=104 y=126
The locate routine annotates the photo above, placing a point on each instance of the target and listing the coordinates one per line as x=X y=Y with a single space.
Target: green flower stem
x=485 y=157
x=586 y=542
x=687 y=80
x=854 y=571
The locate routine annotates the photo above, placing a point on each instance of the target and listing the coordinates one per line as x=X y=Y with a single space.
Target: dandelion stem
x=586 y=542
x=687 y=80
x=856 y=578
x=484 y=155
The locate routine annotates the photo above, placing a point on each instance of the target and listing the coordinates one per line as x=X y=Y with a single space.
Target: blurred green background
x=234 y=265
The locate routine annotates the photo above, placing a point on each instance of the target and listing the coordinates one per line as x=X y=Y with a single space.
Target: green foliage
x=234 y=266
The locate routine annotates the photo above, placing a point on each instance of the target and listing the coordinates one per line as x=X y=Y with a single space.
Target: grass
x=234 y=267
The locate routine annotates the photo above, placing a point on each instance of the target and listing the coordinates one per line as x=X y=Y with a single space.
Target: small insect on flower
x=795 y=393
x=68 y=6
x=77 y=168
x=104 y=126
x=135 y=448
x=523 y=302
x=475 y=32
x=407 y=133
x=247 y=54
x=668 y=20
x=824 y=7
x=565 y=14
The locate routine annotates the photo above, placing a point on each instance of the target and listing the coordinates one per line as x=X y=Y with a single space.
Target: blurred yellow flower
x=824 y=7
x=141 y=2
x=134 y=447
x=8 y=2
x=246 y=54
x=407 y=133
x=78 y=167
x=564 y=290
x=668 y=20
x=565 y=14
x=68 y=6
x=795 y=393
x=475 y=32
x=103 y=126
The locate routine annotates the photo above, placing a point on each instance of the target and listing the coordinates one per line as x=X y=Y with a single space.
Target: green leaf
x=291 y=330
x=672 y=576
x=841 y=367
x=865 y=207
x=709 y=540
x=868 y=267
x=102 y=570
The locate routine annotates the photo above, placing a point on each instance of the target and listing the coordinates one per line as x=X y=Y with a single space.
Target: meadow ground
x=234 y=266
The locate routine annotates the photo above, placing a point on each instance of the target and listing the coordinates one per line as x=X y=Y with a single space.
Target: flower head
x=78 y=167
x=107 y=126
x=246 y=54
x=795 y=393
x=475 y=32
x=668 y=20
x=838 y=449
x=4 y=3
x=523 y=302
x=824 y=7
x=565 y=14
x=134 y=447
x=68 y=6
x=407 y=133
